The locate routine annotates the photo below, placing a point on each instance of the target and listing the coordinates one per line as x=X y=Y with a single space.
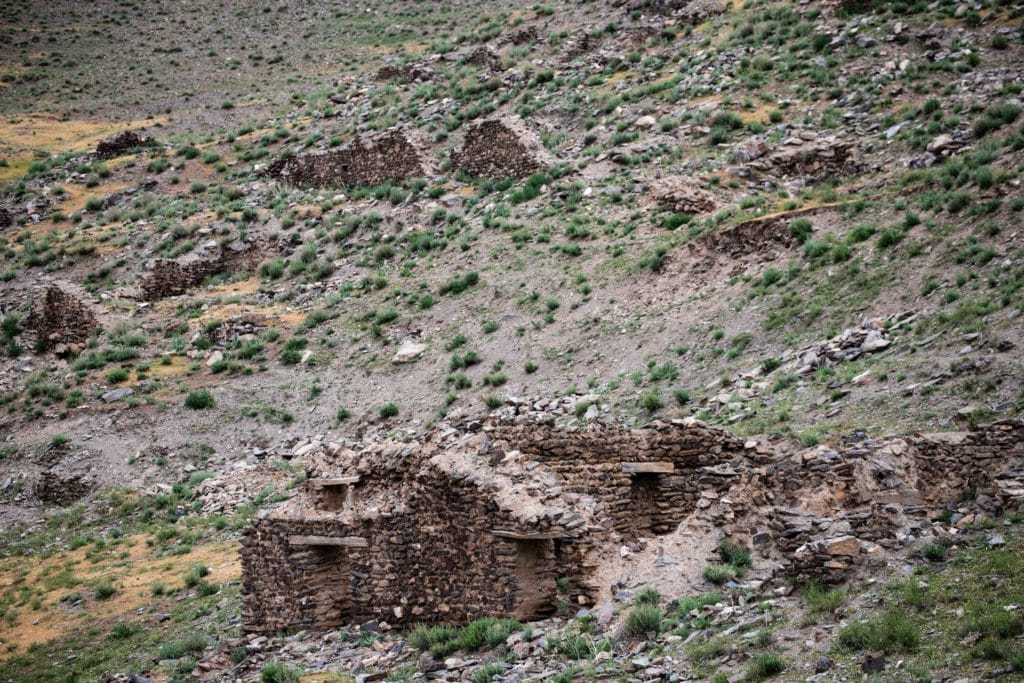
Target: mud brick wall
x=173 y=278
x=493 y=149
x=388 y=157
x=434 y=561
x=60 y=318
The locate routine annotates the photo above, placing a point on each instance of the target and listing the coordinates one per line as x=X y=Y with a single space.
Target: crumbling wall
x=120 y=144
x=607 y=462
x=175 y=277
x=500 y=149
x=434 y=560
x=61 y=489
x=61 y=320
x=388 y=157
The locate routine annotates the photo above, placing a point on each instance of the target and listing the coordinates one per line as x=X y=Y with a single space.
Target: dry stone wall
x=482 y=518
x=62 y=321
x=120 y=144
x=175 y=277
x=500 y=149
x=392 y=156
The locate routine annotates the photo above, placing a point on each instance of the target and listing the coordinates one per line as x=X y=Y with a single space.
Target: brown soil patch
x=133 y=576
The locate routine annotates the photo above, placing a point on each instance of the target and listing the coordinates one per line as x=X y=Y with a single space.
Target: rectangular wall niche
x=534 y=584
x=324 y=584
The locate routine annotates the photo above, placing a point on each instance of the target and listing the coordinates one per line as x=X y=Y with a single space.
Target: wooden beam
x=526 y=535
x=336 y=481
x=648 y=467
x=349 y=541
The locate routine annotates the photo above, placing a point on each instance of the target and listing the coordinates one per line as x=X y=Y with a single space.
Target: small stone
x=822 y=664
x=873 y=662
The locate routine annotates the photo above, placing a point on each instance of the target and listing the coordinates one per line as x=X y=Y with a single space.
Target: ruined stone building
x=390 y=156
x=62 y=320
x=501 y=149
x=173 y=277
x=482 y=519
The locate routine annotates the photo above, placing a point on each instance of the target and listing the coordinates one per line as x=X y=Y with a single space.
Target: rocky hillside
x=231 y=230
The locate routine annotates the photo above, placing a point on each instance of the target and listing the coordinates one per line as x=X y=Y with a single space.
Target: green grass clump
x=423 y=637
x=276 y=672
x=765 y=665
x=388 y=410
x=642 y=620
x=819 y=601
x=893 y=631
x=105 y=589
x=648 y=596
x=719 y=573
x=199 y=400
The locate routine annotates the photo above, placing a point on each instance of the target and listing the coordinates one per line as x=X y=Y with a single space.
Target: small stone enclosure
x=483 y=519
x=390 y=156
x=501 y=149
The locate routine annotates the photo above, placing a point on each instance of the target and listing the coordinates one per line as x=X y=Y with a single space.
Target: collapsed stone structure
x=62 y=321
x=501 y=149
x=406 y=73
x=805 y=154
x=683 y=196
x=390 y=156
x=121 y=144
x=482 y=519
x=58 y=488
x=175 y=277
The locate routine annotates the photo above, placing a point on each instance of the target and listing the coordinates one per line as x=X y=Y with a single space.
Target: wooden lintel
x=335 y=481
x=526 y=535
x=349 y=541
x=648 y=467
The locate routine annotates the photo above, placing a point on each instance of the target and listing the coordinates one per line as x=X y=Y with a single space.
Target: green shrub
x=894 y=631
x=195 y=574
x=820 y=601
x=424 y=637
x=276 y=672
x=801 y=230
x=719 y=573
x=933 y=552
x=734 y=555
x=193 y=642
x=642 y=620
x=648 y=596
x=765 y=665
x=389 y=409
x=199 y=400
x=117 y=375
x=105 y=589
x=651 y=401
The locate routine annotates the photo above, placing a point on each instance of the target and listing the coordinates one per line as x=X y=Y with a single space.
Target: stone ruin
x=683 y=196
x=175 y=277
x=391 y=156
x=484 y=518
x=58 y=488
x=121 y=144
x=6 y=220
x=61 y=320
x=804 y=153
x=501 y=149
x=406 y=73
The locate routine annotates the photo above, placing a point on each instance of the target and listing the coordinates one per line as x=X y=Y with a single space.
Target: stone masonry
x=482 y=518
x=175 y=277
x=120 y=144
x=393 y=155
x=61 y=320
x=501 y=149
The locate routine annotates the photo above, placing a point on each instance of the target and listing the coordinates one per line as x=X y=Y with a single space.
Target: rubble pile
x=224 y=494
x=683 y=196
x=500 y=149
x=175 y=277
x=121 y=144
x=806 y=154
x=390 y=156
x=406 y=73
x=62 y=320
